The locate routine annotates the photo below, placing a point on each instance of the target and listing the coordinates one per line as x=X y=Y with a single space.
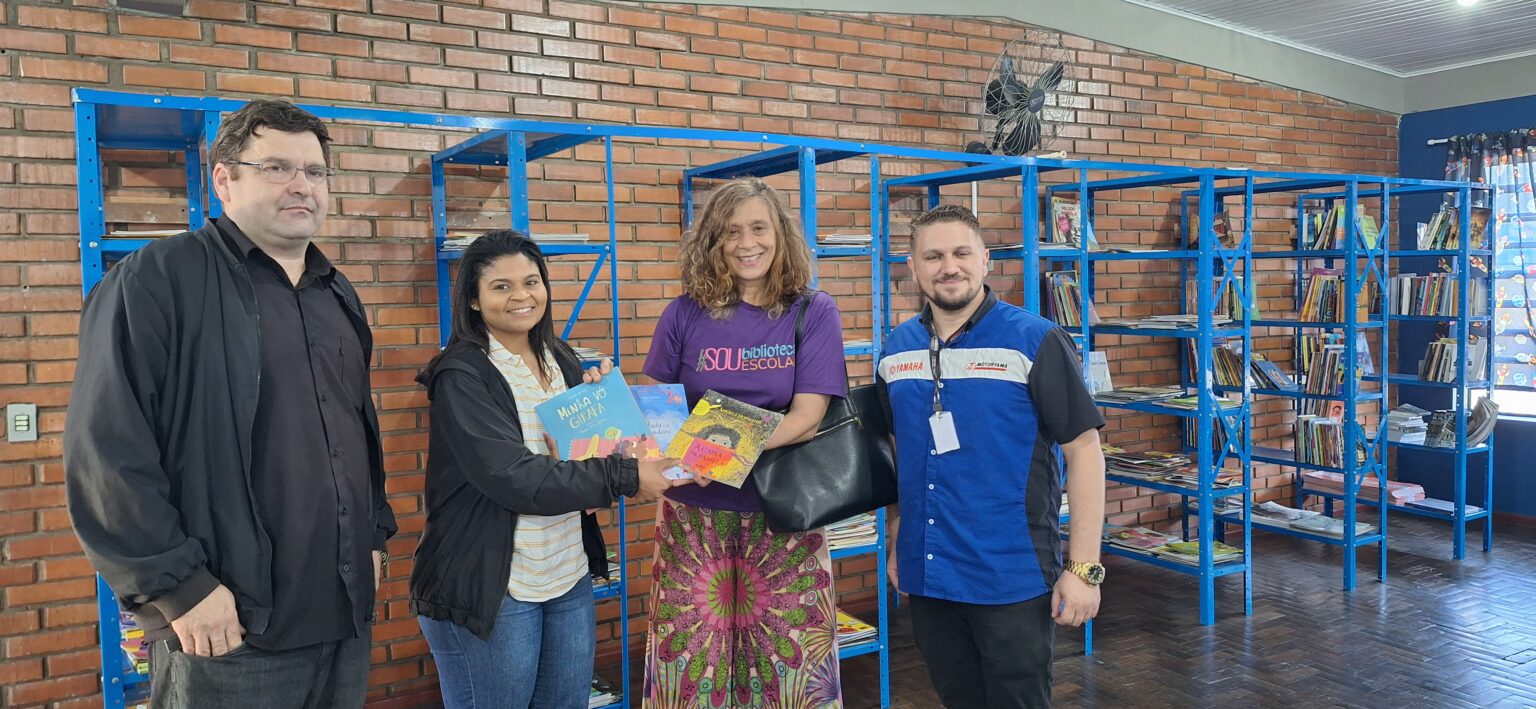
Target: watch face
x=1095 y=574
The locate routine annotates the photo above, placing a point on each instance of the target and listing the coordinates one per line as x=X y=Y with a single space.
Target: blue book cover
x=595 y=420
x=665 y=407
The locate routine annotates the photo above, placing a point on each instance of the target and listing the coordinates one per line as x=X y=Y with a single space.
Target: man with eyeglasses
x=222 y=452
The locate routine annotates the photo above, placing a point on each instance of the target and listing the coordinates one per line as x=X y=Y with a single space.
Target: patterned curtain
x=1507 y=161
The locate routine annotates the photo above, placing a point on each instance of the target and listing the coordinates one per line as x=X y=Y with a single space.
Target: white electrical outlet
x=20 y=423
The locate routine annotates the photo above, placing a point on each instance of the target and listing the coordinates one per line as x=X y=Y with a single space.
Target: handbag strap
x=805 y=304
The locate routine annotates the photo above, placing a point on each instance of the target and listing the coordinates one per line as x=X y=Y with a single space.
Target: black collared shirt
x=309 y=475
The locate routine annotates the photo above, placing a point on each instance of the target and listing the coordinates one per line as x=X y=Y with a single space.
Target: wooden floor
x=1437 y=633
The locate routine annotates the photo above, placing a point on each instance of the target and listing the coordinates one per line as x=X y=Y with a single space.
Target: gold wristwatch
x=1091 y=573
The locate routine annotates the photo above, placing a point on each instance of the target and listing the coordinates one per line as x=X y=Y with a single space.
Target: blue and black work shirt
x=1014 y=385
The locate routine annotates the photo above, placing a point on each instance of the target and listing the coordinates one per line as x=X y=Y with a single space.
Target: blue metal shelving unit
x=1032 y=252
x=514 y=149
x=1461 y=391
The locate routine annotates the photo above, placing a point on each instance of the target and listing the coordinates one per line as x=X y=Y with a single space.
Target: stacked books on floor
x=852 y=631
x=1440 y=362
x=603 y=694
x=1435 y=294
x=1443 y=231
x=1064 y=300
x=856 y=531
x=1441 y=430
x=1398 y=492
x=1405 y=424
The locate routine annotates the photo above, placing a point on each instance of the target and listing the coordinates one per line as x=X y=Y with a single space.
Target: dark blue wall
x=1514 y=482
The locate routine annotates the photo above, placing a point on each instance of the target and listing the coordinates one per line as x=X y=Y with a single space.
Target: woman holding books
x=741 y=616
x=503 y=575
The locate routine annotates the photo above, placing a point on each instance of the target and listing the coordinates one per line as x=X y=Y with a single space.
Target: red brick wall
x=886 y=78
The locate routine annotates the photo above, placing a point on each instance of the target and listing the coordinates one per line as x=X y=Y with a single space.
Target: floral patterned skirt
x=740 y=616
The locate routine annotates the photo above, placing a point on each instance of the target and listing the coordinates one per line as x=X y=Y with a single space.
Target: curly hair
x=707 y=277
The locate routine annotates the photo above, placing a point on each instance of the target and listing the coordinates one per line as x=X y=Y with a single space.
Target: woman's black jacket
x=480 y=477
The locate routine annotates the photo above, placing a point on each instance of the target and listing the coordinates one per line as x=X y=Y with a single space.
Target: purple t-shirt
x=749 y=357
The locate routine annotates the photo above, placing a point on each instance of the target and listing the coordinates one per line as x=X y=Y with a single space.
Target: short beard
x=952 y=305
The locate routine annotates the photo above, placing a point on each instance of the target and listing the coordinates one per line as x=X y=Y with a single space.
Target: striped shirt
x=547 y=554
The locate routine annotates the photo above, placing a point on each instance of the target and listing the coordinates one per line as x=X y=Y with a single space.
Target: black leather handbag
x=846 y=469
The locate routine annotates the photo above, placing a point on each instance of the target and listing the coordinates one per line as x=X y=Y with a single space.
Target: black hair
x=718 y=430
x=468 y=327
x=236 y=129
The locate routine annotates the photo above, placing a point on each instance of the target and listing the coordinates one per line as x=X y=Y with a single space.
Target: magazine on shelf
x=852 y=631
x=722 y=438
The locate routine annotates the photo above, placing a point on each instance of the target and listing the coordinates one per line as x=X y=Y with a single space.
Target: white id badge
x=944 y=438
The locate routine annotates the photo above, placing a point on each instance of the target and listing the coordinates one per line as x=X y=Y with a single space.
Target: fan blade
x=995 y=102
x=1052 y=76
x=1031 y=134
x=1016 y=142
x=998 y=134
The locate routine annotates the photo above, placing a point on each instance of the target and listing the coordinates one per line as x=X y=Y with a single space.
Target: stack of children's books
x=1189 y=552
x=856 y=531
x=852 y=631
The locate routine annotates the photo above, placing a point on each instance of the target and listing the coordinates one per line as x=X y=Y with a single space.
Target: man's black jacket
x=157 y=447
x=480 y=477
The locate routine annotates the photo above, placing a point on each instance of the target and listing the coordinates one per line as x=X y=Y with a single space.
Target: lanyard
x=934 y=348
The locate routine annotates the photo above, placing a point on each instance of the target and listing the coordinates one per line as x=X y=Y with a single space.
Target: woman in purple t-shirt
x=743 y=616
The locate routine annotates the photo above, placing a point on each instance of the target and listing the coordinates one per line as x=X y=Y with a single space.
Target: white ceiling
x=1400 y=37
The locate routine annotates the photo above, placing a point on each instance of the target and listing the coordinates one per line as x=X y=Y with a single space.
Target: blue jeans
x=539 y=655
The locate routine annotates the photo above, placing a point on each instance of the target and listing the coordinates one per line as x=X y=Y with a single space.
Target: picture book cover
x=595 y=420
x=723 y=437
x=665 y=407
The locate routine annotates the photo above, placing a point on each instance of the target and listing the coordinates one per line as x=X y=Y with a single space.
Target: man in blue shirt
x=981 y=395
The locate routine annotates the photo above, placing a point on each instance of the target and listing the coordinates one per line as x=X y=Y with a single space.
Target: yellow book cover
x=722 y=438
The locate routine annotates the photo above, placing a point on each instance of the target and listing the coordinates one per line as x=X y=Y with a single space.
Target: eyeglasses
x=281 y=173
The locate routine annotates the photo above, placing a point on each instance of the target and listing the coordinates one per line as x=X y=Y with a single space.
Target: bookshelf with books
x=1337 y=388
x=1063 y=254
x=1440 y=320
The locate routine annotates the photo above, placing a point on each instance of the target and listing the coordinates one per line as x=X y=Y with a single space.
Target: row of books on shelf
x=1063 y=300
x=1310 y=344
x=1435 y=294
x=1274 y=514
x=1227 y=359
x=1320 y=441
x=1443 y=230
x=1326 y=293
x=1440 y=359
x=1323 y=229
x=1166 y=546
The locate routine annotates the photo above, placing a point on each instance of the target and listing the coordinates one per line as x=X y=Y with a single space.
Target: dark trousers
x=333 y=674
x=996 y=657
